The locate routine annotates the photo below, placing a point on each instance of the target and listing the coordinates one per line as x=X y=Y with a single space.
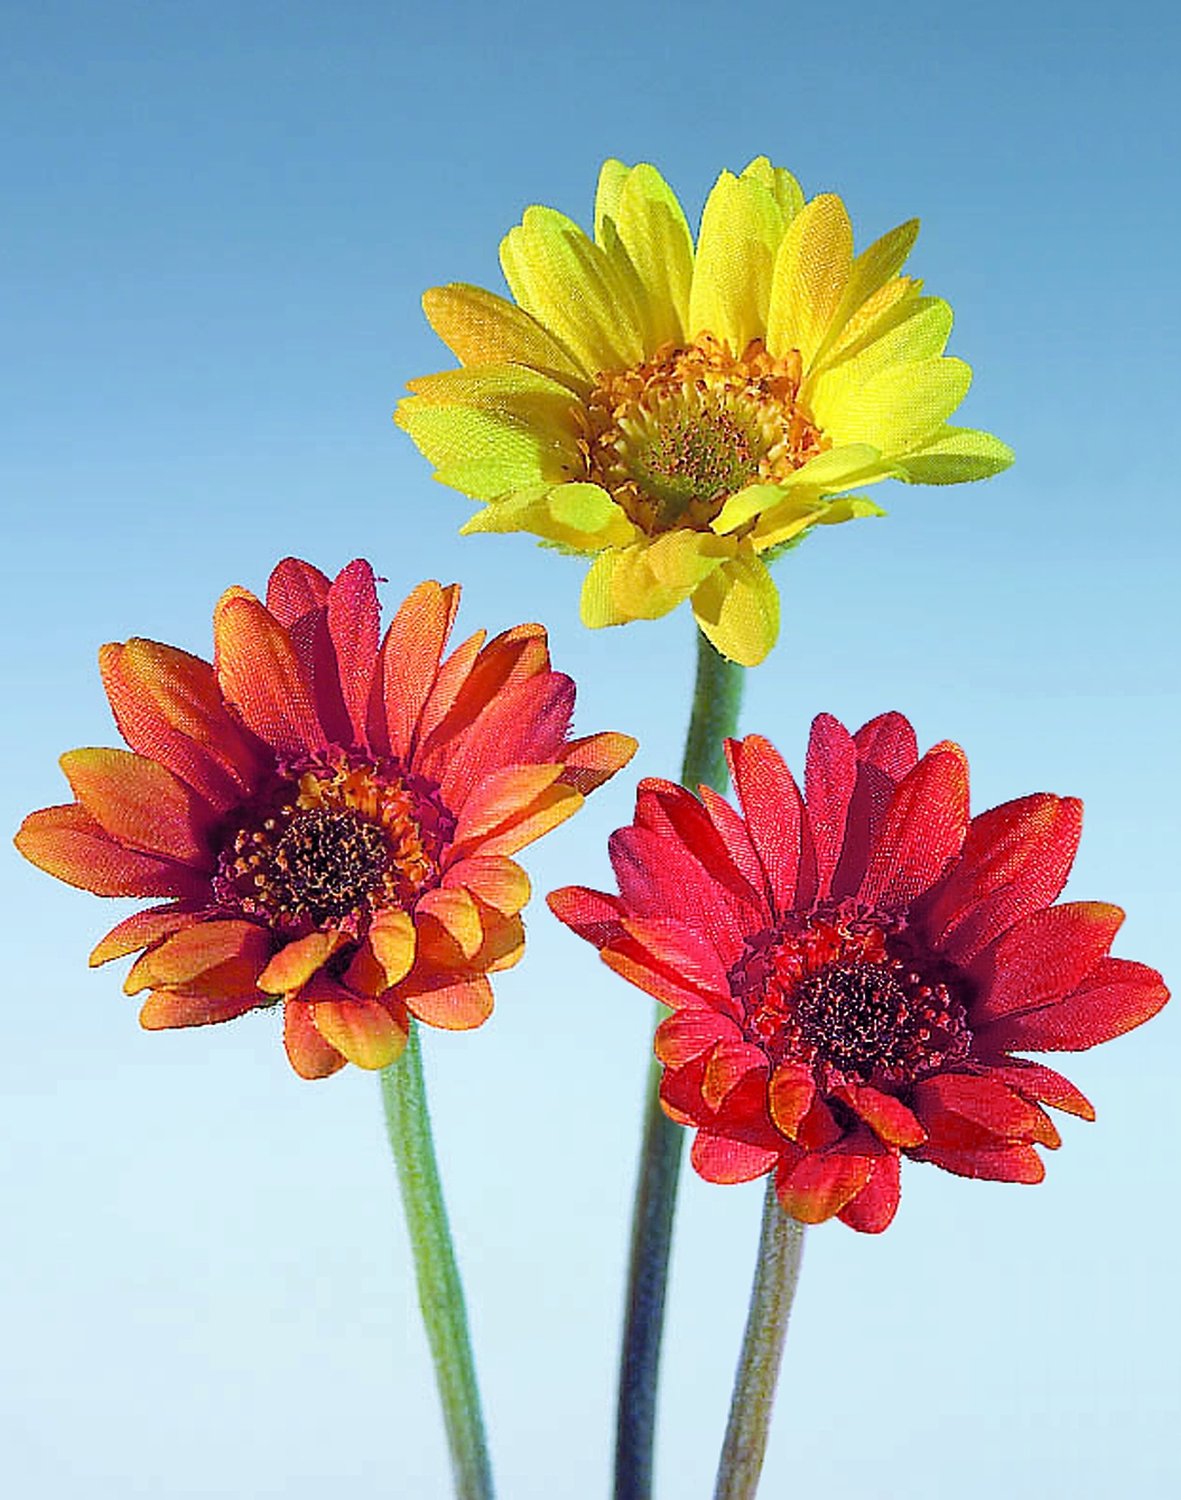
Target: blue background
x=220 y=218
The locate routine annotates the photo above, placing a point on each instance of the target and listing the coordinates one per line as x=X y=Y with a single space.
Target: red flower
x=852 y=972
x=329 y=817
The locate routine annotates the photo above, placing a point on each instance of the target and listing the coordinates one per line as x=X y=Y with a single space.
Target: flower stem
x=717 y=694
x=781 y=1248
x=440 y=1293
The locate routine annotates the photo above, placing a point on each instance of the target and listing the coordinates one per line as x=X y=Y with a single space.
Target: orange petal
x=591 y=761
x=354 y=620
x=504 y=942
x=307 y=1051
x=889 y=1119
x=453 y=1007
x=410 y=656
x=260 y=674
x=169 y=708
x=457 y=914
x=193 y=952
x=497 y=881
x=294 y=965
x=67 y=843
x=165 y=1010
x=141 y=930
x=366 y=1032
x=386 y=956
x=140 y=803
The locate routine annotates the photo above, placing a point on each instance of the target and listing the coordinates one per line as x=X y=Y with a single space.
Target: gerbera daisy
x=329 y=816
x=854 y=973
x=682 y=412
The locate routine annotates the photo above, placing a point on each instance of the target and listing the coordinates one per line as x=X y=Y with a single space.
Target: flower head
x=854 y=972
x=681 y=412
x=329 y=816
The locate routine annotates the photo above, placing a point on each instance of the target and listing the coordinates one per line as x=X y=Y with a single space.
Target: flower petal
x=810 y=275
x=354 y=622
x=741 y=226
x=1116 y=996
x=482 y=329
x=366 y=1032
x=822 y=1184
x=291 y=968
x=1041 y=958
x=922 y=831
x=737 y=609
x=717 y=1158
x=458 y=1006
x=260 y=674
x=188 y=956
x=141 y=930
x=67 y=843
x=410 y=657
x=773 y=809
x=875 y=1205
x=141 y=804
x=309 y=1054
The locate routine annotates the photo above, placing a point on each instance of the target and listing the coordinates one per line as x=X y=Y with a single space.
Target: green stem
x=777 y=1272
x=440 y=1294
x=717 y=694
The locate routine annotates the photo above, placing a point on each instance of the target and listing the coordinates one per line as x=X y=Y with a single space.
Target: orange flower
x=329 y=817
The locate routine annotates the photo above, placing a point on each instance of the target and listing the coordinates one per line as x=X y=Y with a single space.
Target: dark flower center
x=329 y=844
x=851 y=999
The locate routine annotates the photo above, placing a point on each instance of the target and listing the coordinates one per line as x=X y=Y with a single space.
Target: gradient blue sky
x=220 y=218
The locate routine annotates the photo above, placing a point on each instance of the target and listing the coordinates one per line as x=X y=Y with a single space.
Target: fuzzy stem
x=440 y=1293
x=717 y=694
x=777 y=1272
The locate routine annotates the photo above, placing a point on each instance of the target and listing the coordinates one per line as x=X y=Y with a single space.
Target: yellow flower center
x=672 y=438
x=329 y=845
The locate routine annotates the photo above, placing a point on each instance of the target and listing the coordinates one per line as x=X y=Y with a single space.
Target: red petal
x=295 y=589
x=675 y=946
x=1042 y=1084
x=963 y=1111
x=68 y=844
x=354 y=623
x=876 y=1204
x=773 y=810
x=1009 y=1164
x=141 y=804
x=822 y=1184
x=261 y=676
x=735 y=836
x=830 y=776
x=1116 y=996
x=889 y=1119
x=169 y=708
x=727 y=1066
x=309 y=1054
x=888 y=743
x=691 y=1033
x=790 y=1096
x=593 y=915
x=1015 y=861
x=1042 y=958
x=410 y=656
x=718 y=1159
x=922 y=830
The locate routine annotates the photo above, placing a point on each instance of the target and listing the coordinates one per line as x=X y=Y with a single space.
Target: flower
x=329 y=820
x=854 y=972
x=682 y=413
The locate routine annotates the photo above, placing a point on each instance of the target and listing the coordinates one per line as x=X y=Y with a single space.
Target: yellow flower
x=680 y=413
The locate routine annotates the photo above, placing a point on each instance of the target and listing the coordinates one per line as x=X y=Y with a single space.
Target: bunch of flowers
x=326 y=817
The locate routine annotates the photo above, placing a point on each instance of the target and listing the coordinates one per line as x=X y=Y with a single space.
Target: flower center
x=333 y=841
x=671 y=439
x=845 y=996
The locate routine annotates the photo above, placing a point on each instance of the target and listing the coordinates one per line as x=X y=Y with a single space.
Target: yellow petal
x=579 y=516
x=779 y=182
x=293 y=966
x=485 y=454
x=741 y=226
x=920 y=332
x=956 y=455
x=649 y=578
x=481 y=328
x=902 y=407
x=637 y=215
x=810 y=276
x=874 y=317
x=571 y=287
x=737 y=608
x=871 y=270
x=457 y=914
